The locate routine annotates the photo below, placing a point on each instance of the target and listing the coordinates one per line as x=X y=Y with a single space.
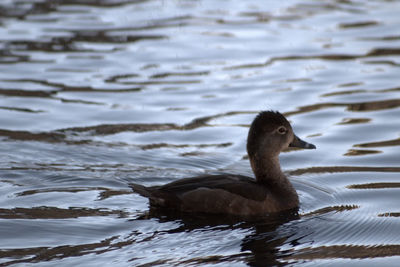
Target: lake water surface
x=97 y=94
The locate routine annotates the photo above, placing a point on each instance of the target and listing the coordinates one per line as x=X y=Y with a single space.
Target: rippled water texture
x=97 y=94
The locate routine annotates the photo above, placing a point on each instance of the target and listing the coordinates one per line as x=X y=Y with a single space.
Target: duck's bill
x=297 y=142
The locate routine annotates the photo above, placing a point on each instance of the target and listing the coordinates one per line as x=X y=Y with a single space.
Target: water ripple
x=97 y=94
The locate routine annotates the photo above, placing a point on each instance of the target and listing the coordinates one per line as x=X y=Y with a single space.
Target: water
x=95 y=95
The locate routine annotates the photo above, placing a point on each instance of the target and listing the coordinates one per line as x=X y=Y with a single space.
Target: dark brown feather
x=235 y=184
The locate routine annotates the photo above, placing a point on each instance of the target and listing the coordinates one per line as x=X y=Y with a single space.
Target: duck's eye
x=282 y=130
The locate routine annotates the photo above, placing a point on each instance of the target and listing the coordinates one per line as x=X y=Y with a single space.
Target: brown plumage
x=270 y=192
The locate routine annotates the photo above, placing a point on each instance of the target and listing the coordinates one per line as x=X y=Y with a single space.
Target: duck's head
x=270 y=133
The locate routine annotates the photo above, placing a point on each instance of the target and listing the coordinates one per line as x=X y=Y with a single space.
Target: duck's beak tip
x=297 y=142
x=310 y=146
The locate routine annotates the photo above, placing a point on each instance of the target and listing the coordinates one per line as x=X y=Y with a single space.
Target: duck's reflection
x=258 y=248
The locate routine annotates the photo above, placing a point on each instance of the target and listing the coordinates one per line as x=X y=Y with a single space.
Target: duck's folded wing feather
x=235 y=184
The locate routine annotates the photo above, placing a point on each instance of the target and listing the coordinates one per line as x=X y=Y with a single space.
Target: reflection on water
x=97 y=94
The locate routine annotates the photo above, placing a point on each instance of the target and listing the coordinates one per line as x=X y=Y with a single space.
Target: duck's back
x=225 y=194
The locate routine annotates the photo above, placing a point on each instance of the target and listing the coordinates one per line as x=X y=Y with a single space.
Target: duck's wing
x=203 y=189
x=235 y=184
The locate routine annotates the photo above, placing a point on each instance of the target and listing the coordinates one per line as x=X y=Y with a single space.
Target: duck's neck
x=268 y=172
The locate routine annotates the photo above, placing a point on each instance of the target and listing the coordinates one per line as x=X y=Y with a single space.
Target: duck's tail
x=142 y=190
x=156 y=197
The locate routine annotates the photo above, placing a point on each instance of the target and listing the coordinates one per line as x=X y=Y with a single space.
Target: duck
x=269 y=192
